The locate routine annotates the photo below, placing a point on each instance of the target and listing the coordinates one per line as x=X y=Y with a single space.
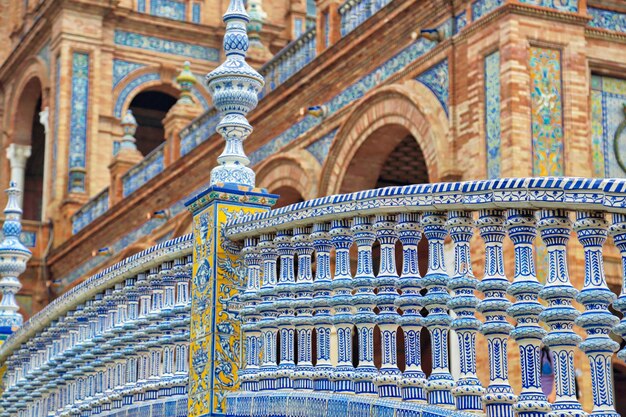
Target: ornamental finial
x=129 y=125
x=234 y=86
x=186 y=80
x=13 y=258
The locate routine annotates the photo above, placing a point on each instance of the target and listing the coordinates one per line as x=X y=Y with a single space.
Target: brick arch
x=296 y=169
x=147 y=78
x=394 y=112
x=33 y=81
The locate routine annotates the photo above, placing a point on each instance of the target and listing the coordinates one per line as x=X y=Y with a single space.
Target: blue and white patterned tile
x=607 y=19
x=78 y=117
x=122 y=68
x=169 y=9
x=153 y=43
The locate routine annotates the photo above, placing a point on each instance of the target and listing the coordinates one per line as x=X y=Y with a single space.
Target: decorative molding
x=166 y=46
x=492 y=114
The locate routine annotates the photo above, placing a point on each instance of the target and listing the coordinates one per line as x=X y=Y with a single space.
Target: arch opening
x=150 y=108
x=390 y=156
x=29 y=131
x=287 y=196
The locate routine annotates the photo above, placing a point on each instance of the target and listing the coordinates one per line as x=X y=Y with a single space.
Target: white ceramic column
x=17 y=156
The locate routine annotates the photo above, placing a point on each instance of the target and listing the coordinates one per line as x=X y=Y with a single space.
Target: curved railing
x=118 y=340
x=299 y=317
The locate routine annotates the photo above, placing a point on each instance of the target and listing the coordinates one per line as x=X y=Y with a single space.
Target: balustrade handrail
x=108 y=277
x=309 y=33
x=539 y=192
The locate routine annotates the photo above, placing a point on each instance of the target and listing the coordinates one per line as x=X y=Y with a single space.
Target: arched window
x=149 y=108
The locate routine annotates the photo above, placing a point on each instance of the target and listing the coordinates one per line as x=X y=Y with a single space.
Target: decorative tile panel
x=481 y=8
x=78 y=119
x=492 y=114
x=460 y=21
x=44 y=54
x=170 y=9
x=560 y=5
x=608 y=98
x=218 y=273
x=55 y=142
x=607 y=19
x=152 y=43
x=437 y=80
x=195 y=13
x=546 y=111
x=141 y=6
x=122 y=68
x=319 y=149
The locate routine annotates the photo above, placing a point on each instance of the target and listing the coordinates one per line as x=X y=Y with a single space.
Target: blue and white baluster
x=597 y=320
x=303 y=245
x=322 y=378
x=413 y=379
x=618 y=231
x=269 y=330
x=468 y=390
x=388 y=379
x=284 y=306
x=341 y=302
x=555 y=227
x=499 y=397
x=251 y=333
x=440 y=382
x=528 y=334
x=364 y=301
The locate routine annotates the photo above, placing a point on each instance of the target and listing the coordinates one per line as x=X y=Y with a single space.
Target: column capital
x=18 y=154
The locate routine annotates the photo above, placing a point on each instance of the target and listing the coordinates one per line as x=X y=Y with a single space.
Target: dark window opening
x=149 y=109
x=33 y=176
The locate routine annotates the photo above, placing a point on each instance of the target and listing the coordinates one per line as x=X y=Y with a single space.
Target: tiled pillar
x=215 y=328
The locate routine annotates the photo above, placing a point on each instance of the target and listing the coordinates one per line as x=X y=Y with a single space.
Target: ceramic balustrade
x=291 y=59
x=80 y=356
x=354 y=12
x=348 y=321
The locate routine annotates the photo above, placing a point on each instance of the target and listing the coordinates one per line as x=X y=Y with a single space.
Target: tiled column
x=389 y=376
x=468 y=390
x=597 y=320
x=528 y=334
x=440 y=382
x=413 y=379
x=499 y=397
x=364 y=301
x=215 y=328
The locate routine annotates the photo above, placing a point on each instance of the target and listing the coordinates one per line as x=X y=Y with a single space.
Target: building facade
x=373 y=94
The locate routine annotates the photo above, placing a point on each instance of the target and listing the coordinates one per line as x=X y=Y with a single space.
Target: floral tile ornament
x=546 y=111
x=218 y=274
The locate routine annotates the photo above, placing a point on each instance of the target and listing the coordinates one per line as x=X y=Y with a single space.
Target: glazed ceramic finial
x=234 y=86
x=186 y=80
x=13 y=258
x=129 y=124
